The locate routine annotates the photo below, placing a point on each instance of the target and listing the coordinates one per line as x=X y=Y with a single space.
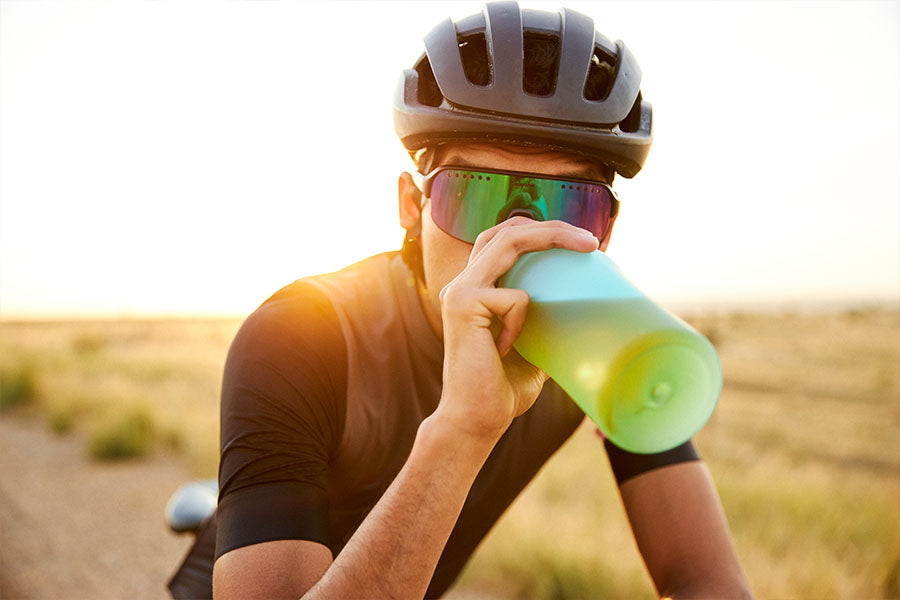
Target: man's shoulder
x=292 y=341
x=362 y=276
x=291 y=308
x=313 y=296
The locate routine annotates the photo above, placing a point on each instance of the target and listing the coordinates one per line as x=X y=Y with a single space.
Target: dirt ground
x=52 y=543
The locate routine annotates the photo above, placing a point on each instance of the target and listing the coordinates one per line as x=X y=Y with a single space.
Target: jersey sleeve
x=281 y=421
x=626 y=465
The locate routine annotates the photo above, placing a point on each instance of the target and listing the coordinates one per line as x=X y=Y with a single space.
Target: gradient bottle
x=647 y=379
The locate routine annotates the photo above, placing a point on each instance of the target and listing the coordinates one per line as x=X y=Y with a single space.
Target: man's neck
x=431 y=306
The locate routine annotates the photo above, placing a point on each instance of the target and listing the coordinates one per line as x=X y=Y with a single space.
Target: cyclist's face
x=444 y=256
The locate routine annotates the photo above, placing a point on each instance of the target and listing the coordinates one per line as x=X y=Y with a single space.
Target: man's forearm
x=395 y=550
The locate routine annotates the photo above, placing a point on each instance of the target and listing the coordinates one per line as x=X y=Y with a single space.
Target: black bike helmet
x=612 y=125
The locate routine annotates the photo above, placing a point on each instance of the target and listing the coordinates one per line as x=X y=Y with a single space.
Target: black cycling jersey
x=324 y=389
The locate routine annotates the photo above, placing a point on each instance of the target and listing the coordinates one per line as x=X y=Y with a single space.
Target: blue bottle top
x=560 y=275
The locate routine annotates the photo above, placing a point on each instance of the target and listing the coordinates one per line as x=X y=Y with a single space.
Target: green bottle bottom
x=646 y=378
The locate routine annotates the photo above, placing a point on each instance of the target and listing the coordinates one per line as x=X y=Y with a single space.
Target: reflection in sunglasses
x=524 y=199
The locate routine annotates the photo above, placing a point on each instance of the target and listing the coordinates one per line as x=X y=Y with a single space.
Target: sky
x=190 y=158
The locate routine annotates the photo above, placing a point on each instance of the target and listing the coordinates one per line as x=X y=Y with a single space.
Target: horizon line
x=682 y=305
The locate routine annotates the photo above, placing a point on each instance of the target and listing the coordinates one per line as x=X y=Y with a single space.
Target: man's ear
x=410 y=198
x=604 y=243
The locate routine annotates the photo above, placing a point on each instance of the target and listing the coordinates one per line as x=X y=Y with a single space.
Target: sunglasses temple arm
x=420 y=182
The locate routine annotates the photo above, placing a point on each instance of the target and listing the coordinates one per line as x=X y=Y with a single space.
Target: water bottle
x=647 y=379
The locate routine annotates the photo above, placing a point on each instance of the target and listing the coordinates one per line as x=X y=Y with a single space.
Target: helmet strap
x=411 y=252
x=425 y=159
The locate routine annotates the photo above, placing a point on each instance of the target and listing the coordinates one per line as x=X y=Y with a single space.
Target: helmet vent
x=427 y=92
x=474 y=55
x=541 y=55
x=600 y=77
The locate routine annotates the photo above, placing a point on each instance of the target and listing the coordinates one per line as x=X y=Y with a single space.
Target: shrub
x=174 y=439
x=129 y=437
x=62 y=421
x=89 y=344
x=18 y=388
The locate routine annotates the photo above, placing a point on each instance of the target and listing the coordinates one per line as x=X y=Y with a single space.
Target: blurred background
x=165 y=166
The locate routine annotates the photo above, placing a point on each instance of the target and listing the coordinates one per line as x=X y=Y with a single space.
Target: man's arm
x=681 y=531
x=394 y=552
x=270 y=570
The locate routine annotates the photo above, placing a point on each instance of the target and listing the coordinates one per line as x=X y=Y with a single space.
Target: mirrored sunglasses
x=465 y=202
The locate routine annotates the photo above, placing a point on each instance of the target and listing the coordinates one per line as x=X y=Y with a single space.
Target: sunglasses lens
x=465 y=203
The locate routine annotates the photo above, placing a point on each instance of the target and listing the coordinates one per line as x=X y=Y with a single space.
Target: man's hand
x=486 y=382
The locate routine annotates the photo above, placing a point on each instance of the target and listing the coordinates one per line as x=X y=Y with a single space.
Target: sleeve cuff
x=626 y=465
x=264 y=514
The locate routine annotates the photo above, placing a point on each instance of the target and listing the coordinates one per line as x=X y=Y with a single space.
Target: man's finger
x=510 y=306
x=506 y=245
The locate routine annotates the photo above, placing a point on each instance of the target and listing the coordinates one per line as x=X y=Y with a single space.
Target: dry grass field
x=804 y=448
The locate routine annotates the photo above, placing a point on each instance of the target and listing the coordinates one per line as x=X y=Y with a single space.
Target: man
x=376 y=421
